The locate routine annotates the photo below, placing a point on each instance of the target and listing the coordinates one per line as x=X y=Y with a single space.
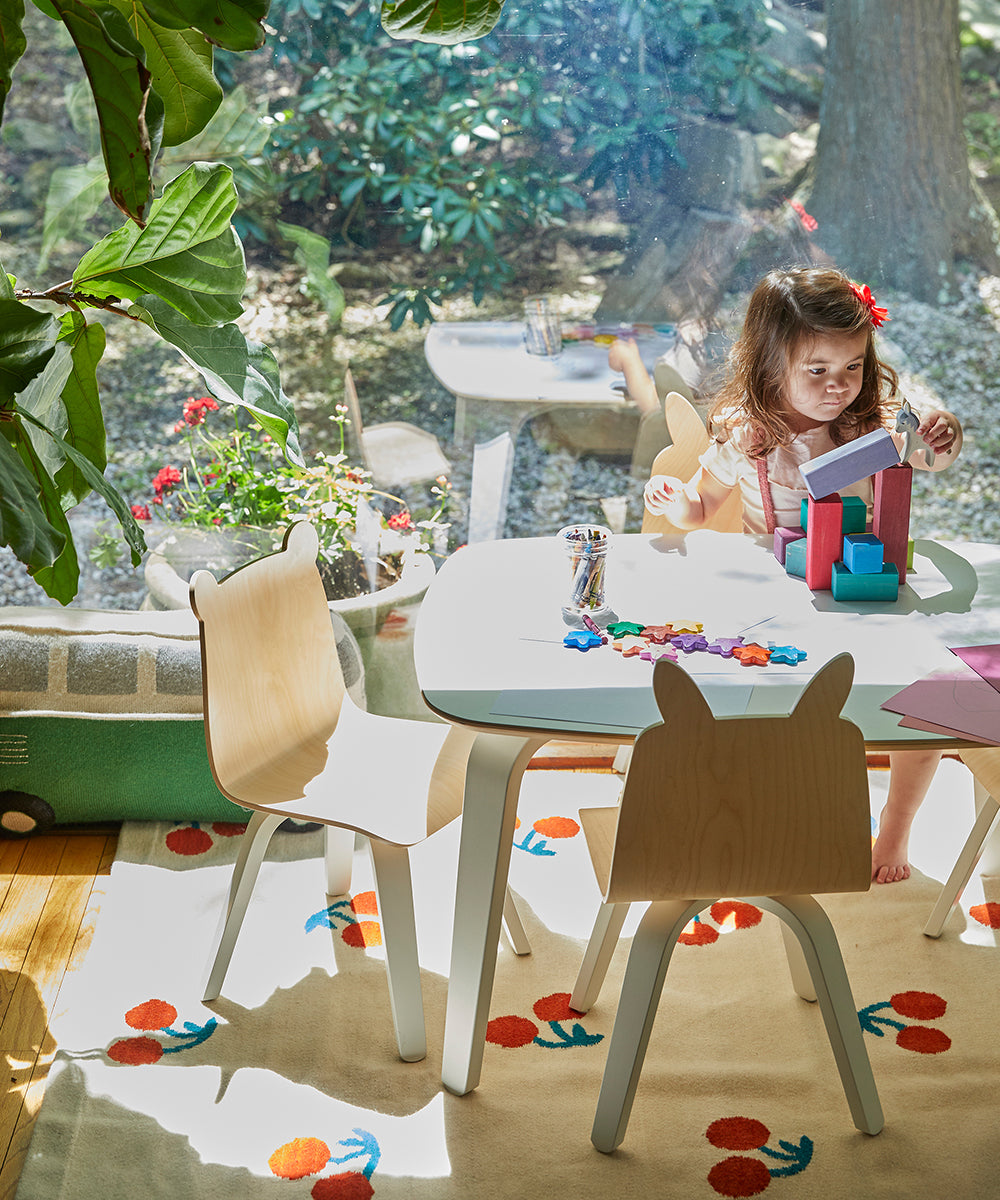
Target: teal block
x=795 y=558
x=847 y=586
x=864 y=554
x=855 y=514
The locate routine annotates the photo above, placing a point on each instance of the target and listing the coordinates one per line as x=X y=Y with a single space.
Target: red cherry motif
x=923 y=1039
x=987 y=914
x=348 y=1185
x=555 y=1008
x=136 y=1052
x=738 y=1133
x=511 y=1032
x=189 y=841
x=153 y=1014
x=365 y=902
x=919 y=1006
x=739 y=1175
x=556 y=827
x=698 y=933
x=745 y=916
x=300 y=1157
x=229 y=828
x=362 y=934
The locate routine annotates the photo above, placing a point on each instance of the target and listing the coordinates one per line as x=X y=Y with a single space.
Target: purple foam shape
x=724 y=646
x=844 y=465
x=689 y=642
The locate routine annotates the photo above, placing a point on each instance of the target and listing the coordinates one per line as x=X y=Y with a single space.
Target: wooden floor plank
x=60 y=937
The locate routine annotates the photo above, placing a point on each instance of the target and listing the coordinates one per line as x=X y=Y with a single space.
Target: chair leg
x=253 y=847
x=797 y=965
x=514 y=926
x=986 y=822
x=597 y=957
x=648 y=960
x=394 y=890
x=338 y=854
x=812 y=927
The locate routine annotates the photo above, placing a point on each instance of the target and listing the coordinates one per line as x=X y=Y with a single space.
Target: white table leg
x=492 y=786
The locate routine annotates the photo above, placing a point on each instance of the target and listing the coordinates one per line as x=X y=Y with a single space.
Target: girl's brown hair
x=787 y=309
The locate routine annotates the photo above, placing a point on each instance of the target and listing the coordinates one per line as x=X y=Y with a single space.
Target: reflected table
x=489 y=655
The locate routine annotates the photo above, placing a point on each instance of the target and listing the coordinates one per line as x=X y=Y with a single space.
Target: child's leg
x=910 y=775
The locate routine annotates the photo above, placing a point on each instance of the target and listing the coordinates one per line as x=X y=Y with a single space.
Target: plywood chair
x=985 y=767
x=689 y=440
x=773 y=809
x=397 y=454
x=285 y=740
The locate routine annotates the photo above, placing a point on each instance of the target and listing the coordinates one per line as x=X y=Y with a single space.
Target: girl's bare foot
x=889 y=863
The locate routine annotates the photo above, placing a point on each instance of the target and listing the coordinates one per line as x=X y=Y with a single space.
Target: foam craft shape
x=847 y=586
x=846 y=464
x=864 y=554
x=823 y=540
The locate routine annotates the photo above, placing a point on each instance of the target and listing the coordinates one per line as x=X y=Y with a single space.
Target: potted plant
x=235 y=492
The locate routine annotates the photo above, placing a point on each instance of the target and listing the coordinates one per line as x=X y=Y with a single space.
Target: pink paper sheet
x=984 y=660
x=959 y=701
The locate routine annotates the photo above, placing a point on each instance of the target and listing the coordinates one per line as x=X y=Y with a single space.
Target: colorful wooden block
x=855 y=514
x=847 y=586
x=846 y=464
x=823 y=540
x=795 y=558
x=864 y=554
x=891 y=523
x=783 y=535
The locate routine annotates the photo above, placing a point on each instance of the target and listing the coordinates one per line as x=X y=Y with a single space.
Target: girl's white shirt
x=728 y=463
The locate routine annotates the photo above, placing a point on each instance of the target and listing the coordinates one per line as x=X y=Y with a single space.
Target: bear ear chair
x=771 y=809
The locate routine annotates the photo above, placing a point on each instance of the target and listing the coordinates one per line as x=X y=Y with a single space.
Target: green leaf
x=180 y=62
x=42 y=398
x=130 y=116
x=82 y=402
x=75 y=194
x=12 y=43
x=188 y=254
x=443 y=21
x=313 y=255
x=23 y=523
x=115 y=501
x=234 y=24
x=237 y=130
x=27 y=342
x=236 y=370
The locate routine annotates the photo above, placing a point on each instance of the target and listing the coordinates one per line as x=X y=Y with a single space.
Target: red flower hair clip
x=878 y=315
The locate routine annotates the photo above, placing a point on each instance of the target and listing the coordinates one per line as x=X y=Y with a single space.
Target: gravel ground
x=947 y=357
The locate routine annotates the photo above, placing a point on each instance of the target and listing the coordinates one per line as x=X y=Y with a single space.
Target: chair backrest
x=271 y=677
x=356 y=429
x=689 y=440
x=744 y=806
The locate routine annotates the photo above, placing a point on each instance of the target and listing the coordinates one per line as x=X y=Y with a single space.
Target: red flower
x=165 y=479
x=878 y=315
x=140 y=512
x=195 y=410
x=401 y=520
x=809 y=224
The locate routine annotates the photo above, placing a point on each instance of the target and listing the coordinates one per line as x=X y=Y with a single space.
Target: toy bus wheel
x=22 y=814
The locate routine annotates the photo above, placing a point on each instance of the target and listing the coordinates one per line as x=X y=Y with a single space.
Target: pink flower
x=140 y=512
x=401 y=520
x=195 y=410
x=165 y=479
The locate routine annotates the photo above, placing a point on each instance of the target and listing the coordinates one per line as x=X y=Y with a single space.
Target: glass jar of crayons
x=586 y=547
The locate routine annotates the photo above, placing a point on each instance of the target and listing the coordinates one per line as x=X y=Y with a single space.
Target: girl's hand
x=623 y=356
x=659 y=492
x=940 y=430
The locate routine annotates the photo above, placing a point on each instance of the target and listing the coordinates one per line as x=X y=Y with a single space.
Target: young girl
x=805 y=377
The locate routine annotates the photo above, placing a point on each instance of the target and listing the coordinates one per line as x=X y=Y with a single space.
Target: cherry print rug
x=289 y=1086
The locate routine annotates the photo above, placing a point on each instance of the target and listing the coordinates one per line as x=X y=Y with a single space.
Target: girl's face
x=824 y=377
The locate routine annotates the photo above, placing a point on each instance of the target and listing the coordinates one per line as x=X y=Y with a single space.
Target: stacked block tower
x=832 y=549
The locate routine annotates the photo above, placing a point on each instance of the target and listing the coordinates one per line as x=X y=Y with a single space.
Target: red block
x=891 y=524
x=824 y=539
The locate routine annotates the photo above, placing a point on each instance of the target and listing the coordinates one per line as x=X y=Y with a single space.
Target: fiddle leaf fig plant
x=176 y=265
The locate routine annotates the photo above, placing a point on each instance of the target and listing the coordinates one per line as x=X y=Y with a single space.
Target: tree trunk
x=893 y=193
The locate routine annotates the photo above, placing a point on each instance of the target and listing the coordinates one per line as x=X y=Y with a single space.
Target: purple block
x=846 y=464
x=782 y=536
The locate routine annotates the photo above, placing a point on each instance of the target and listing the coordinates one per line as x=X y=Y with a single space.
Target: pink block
x=892 y=514
x=782 y=536
x=825 y=523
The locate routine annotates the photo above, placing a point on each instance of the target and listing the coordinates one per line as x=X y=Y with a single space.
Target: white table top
x=489 y=646
x=486 y=360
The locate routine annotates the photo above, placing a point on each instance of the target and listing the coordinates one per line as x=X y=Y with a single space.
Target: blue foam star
x=787 y=654
x=582 y=639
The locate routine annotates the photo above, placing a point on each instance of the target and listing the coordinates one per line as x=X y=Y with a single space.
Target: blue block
x=864 y=554
x=846 y=464
x=847 y=586
x=795 y=558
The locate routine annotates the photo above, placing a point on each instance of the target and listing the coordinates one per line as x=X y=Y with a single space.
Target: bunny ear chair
x=285 y=740
x=770 y=809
